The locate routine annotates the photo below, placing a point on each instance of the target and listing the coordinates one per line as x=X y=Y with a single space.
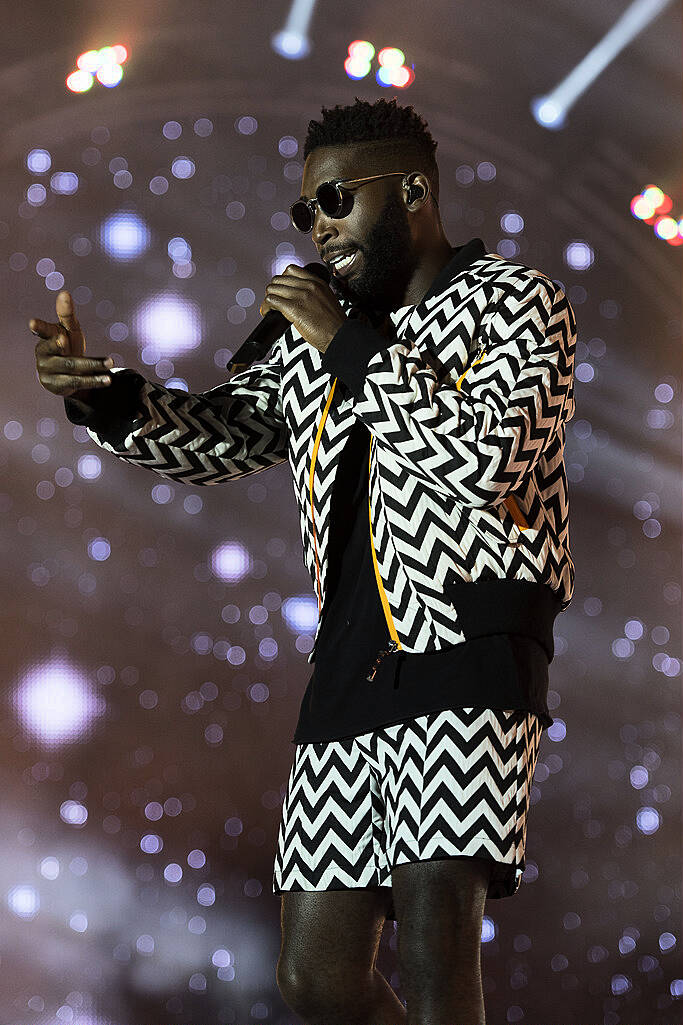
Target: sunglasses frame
x=336 y=182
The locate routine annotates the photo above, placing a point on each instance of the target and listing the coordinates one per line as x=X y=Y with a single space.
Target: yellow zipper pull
x=479 y=358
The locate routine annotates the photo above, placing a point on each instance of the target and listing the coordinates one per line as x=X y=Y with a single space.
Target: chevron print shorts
x=446 y=784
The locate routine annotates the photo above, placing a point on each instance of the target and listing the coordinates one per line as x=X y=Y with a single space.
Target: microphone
x=269 y=329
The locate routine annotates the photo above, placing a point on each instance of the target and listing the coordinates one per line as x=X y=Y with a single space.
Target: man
x=421 y=399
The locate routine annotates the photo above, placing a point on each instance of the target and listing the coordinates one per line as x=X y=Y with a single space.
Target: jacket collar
x=462 y=257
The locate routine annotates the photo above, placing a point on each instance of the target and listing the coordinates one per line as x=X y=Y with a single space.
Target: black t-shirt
x=497 y=671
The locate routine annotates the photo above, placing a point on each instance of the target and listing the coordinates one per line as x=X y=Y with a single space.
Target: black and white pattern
x=467 y=412
x=446 y=784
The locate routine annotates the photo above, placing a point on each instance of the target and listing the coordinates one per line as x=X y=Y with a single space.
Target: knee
x=312 y=991
x=300 y=988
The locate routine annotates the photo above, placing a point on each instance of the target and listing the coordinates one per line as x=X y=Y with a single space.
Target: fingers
x=43 y=329
x=75 y=364
x=66 y=384
x=63 y=375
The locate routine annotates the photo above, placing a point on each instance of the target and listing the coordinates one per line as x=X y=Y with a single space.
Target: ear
x=418 y=190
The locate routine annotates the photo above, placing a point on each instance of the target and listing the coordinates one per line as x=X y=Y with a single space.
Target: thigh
x=332 y=933
x=440 y=908
x=445 y=895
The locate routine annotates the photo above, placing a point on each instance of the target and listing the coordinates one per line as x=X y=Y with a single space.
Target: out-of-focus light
x=23 y=901
x=55 y=703
x=665 y=205
x=654 y=195
x=124 y=236
x=183 y=167
x=36 y=194
x=652 y=206
x=512 y=223
x=355 y=68
x=179 y=250
x=362 y=50
x=642 y=208
x=403 y=77
x=89 y=61
x=648 y=820
x=666 y=227
x=400 y=77
x=579 y=255
x=391 y=57
x=79 y=81
x=300 y=613
x=64 y=183
x=92 y=60
x=110 y=75
x=105 y=64
x=107 y=55
x=230 y=562
x=168 y=325
x=151 y=843
x=292 y=45
x=38 y=161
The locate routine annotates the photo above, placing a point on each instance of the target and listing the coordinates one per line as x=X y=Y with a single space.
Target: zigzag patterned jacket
x=468 y=497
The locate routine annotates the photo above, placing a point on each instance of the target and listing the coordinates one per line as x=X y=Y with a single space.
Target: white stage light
x=550 y=111
x=292 y=41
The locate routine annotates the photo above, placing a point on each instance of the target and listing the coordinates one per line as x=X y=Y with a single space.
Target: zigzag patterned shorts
x=442 y=785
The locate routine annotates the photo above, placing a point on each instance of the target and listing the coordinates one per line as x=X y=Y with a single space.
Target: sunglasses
x=332 y=199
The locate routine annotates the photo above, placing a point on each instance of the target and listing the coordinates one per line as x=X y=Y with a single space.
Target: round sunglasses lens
x=329 y=199
x=301 y=216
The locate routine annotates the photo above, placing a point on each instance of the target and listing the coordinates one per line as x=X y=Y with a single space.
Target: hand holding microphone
x=301 y=296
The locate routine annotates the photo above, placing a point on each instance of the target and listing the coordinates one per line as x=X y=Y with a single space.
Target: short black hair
x=397 y=137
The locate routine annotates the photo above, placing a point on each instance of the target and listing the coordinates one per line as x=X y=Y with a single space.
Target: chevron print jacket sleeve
x=209 y=437
x=474 y=439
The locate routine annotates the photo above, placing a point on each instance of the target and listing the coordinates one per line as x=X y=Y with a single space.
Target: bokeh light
x=168 y=325
x=103 y=64
x=55 y=703
x=230 y=562
x=124 y=236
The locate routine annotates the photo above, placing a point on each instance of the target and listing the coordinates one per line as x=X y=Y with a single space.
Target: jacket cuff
x=110 y=412
x=348 y=354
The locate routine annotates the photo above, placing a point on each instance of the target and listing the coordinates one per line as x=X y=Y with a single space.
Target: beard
x=389 y=261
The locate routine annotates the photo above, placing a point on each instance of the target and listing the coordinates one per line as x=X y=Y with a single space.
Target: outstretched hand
x=60 y=354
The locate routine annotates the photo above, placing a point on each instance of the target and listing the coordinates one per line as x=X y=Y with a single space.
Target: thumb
x=65 y=310
x=67 y=318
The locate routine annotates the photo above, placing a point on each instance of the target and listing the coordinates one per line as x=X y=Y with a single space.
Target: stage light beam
x=293 y=41
x=550 y=111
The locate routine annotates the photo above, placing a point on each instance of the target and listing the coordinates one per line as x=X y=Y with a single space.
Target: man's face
x=378 y=226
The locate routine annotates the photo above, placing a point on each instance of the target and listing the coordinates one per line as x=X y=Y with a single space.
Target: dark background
x=160 y=698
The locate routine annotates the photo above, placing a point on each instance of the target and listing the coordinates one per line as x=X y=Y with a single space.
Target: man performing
x=421 y=399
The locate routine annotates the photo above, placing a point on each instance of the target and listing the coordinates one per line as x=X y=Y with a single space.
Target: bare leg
x=376 y=1005
x=326 y=971
x=440 y=906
